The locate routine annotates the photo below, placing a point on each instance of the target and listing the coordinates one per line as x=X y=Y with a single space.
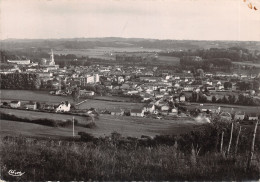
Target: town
x=185 y=90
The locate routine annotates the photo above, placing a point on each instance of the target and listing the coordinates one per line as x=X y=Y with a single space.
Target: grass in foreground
x=43 y=160
x=190 y=156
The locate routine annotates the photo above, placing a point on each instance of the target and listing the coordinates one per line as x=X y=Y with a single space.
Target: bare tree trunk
x=230 y=140
x=252 y=147
x=237 y=140
x=221 y=143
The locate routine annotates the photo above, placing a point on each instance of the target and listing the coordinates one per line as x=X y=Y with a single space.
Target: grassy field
x=257 y=65
x=106 y=124
x=114 y=98
x=168 y=59
x=43 y=96
x=108 y=105
x=226 y=107
x=28 y=95
x=107 y=53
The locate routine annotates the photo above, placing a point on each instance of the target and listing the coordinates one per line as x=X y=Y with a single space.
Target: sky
x=157 y=19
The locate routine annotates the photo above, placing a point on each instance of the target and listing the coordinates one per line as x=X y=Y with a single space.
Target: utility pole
x=237 y=140
x=221 y=143
x=73 y=126
x=252 y=146
x=230 y=140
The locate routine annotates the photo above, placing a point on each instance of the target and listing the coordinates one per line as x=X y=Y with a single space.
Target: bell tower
x=52 y=58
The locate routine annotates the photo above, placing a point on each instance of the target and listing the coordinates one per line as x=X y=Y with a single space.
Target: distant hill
x=90 y=43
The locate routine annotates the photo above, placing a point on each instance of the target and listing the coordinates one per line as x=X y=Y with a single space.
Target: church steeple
x=52 y=58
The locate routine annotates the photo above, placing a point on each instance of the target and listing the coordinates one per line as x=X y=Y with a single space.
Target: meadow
x=257 y=65
x=107 y=53
x=106 y=124
x=169 y=60
x=44 y=96
x=225 y=107
x=30 y=95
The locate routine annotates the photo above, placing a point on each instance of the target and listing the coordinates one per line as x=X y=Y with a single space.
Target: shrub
x=91 y=125
x=41 y=121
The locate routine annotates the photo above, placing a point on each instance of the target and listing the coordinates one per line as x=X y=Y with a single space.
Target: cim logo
x=15 y=173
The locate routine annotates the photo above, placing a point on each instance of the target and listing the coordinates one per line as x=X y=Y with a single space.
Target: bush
x=86 y=136
x=41 y=121
x=91 y=125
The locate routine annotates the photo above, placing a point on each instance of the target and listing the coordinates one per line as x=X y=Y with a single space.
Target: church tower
x=52 y=59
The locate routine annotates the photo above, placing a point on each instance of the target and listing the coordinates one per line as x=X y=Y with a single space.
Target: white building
x=137 y=112
x=149 y=108
x=165 y=108
x=86 y=93
x=21 y=62
x=89 y=79
x=182 y=98
x=15 y=104
x=63 y=107
x=31 y=105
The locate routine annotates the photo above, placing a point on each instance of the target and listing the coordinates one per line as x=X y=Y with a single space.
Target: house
x=226 y=116
x=15 y=104
x=63 y=107
x=86 y=93
x=149 y=108
x=160 y=102
x=132 y=92
x=182 y=98
x=146 y=97
x=137 y=112
x=188 y=88
x=120 y=79
x=31 y=105
x=125 y=86
x=117 y=112
x=109 y=87
x=48 y=107
x=239 y=116
x=165 y=108
x=162 y=89
x=174 y=111
x=252 y=117
x=158 y=95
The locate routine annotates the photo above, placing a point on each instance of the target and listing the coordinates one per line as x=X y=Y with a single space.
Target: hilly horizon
x=120 y=42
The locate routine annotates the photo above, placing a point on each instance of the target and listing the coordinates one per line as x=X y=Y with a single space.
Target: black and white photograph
x=129 y=90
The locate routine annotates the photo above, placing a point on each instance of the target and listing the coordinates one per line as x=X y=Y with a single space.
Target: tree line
x=234 y=54
x=20 y=81
x=191 y=62
x=240 y=100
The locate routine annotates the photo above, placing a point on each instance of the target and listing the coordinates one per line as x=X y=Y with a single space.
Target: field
x=107 y=53
x=168 y=60
x=257 y=65
x=109 y=105
x=226 y=107
x=106 y=124
x=114 y=98
x=43 y=96
x=28 y=95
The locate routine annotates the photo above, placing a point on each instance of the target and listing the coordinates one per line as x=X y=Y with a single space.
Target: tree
x=38 y=105
x=200 y=72
x=232 y=99
x=224 y=100
x=75 y=94
x=227 y=85
x=214 y=99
